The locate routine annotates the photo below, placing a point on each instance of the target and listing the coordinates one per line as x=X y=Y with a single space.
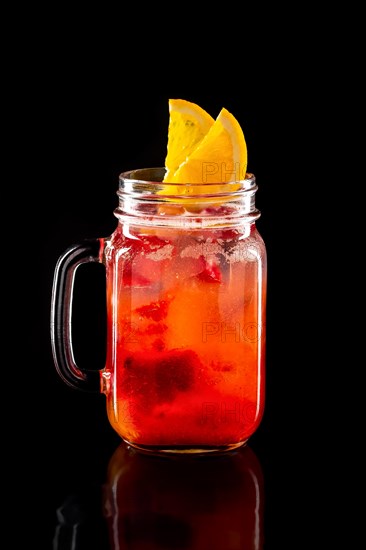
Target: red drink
x=186 y=320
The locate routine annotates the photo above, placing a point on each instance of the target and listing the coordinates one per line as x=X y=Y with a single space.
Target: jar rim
x=154 y=176
x=145 y=197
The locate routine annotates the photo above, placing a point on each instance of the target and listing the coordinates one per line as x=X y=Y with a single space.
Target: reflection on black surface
x=184 y=502
x=150 y=502
x=80 y=523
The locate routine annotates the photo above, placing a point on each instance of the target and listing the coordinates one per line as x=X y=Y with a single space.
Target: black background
x=89 y=98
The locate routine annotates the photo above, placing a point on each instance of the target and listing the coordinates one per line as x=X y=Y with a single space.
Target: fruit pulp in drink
x=186 y=335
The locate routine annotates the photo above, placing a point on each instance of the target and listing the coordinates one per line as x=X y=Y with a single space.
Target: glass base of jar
x=186 y=450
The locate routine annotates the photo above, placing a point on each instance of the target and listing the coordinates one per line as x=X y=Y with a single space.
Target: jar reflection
x=153 y=502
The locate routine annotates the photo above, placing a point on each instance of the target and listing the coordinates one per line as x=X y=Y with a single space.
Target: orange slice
x=219 y=157
x=188 y=124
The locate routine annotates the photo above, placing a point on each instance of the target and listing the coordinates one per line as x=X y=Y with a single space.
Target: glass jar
x=186 y=279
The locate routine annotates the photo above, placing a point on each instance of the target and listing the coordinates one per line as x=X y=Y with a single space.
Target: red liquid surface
x=186 y=340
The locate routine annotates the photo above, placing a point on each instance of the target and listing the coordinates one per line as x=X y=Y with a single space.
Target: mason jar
x=186 y=276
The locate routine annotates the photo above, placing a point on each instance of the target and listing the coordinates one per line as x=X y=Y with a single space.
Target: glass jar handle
x=61 y=312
